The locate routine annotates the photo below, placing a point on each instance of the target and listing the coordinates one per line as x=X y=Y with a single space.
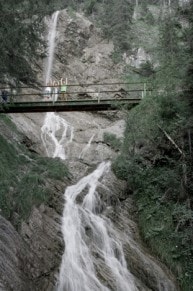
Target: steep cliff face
x=82 y=55
x=31 y=257
x=30 y=250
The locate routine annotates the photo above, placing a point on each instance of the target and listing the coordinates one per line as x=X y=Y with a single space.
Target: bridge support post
x=144 y=89
x=98 y=95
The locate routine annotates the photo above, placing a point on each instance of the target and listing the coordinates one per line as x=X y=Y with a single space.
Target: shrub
x=23 y=179
x=113 y=141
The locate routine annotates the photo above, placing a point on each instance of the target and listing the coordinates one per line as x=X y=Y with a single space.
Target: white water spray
x=56 y=134
x=77 y=272
x=51 y=45
x=85 y=149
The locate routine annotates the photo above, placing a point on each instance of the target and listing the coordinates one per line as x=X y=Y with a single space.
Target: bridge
x=75 y=105
x=82 y=99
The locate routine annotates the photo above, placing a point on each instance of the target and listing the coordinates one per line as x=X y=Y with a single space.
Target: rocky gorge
x=31 y=255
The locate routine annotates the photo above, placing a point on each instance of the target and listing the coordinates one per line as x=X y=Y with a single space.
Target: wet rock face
x=150 y=272
x=30 y=259
x=72 y=33
x=82 y=55
x=12 y=259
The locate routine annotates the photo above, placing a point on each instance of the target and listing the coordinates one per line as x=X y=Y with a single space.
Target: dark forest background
x=157 y=152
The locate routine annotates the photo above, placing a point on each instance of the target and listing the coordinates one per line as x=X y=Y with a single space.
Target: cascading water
x=85 y=149
x=93 y=258
x=51 y=46
x=77 y=272
x=55 y=125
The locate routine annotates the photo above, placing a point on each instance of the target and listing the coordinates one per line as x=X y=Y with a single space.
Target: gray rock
x=30 y=259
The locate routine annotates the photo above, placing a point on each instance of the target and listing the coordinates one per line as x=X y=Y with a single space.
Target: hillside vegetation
x=25 y=177
x=156 y=158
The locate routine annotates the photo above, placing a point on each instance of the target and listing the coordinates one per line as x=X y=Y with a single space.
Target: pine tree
x=20 y=38
x=171 y=52
x=117 y=22
x=188 y=82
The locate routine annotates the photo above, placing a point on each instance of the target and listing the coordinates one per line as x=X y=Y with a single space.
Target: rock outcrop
x=30 y=258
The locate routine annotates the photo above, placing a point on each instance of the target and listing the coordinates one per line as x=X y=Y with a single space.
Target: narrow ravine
x=84 y=227
x=94 y=256
x=77 y=271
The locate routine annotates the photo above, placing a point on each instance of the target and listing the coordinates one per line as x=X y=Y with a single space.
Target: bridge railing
x=92 y=91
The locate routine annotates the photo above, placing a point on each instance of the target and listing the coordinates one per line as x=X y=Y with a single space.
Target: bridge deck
x=75 y=105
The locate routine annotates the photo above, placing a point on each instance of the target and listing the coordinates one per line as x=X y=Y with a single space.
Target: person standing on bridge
x=4 y=95
x=55 y=92
x=63 y=89
x=13 y=94
x=47 y=92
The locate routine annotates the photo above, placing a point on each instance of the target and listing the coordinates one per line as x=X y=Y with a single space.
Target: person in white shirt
x=47 y=93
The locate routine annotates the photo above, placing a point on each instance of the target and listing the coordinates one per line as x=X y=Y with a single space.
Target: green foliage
x=118 y=23
x=158 y=221
x=114 y=17
x=172 y=55
x=143 y=32
x=154 y=171
x=113 y=141
x=116 y=56
x=146 y=14
x=159 y=176
x=21 y=37
x=187 y=13
x=53 y=168
x=19 y=40
x=30 y=191
x=6 y=120
x=151 y=163
x=71 y=12
x=146 y=69
x=89 y=6
x=120 y=167
x=24 y=179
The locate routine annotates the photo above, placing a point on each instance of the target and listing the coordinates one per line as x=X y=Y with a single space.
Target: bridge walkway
x=75 y=105
x=78 y=98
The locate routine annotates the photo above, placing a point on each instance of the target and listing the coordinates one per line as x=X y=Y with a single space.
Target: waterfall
x=84 y=228
x=85 y=149
x=51 y=46
x=56 y=134
x=78 y=270
x=93 y=258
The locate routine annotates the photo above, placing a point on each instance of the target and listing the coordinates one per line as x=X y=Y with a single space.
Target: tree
x=117 y=20
x=172 y=57
x=20 y=37
x=187 y=13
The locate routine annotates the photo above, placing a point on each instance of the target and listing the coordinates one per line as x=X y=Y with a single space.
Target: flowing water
x=51 y=46
x=77 y=272
x=92 y=245
x=56 y=134
x=85 y=149
x=83 y=227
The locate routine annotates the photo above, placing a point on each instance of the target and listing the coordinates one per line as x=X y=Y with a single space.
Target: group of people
x=56 y=90
x=53 y=91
